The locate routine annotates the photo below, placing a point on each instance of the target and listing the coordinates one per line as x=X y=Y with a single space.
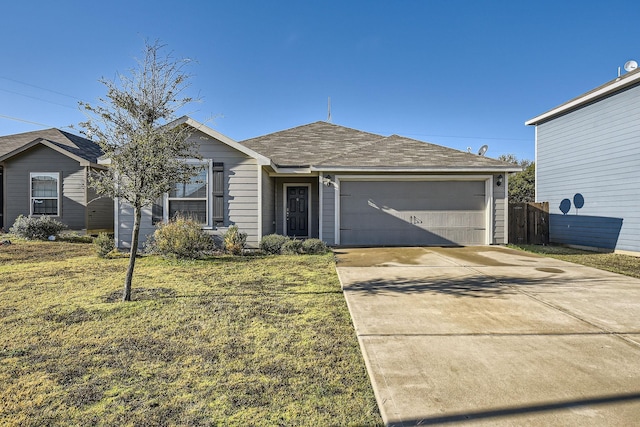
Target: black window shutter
x=157 y=211
x=218 y=194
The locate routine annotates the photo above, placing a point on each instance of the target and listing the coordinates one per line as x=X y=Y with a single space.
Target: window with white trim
x=191 y=199
x=45 y=193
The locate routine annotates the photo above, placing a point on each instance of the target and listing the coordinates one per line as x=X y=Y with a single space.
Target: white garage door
x=412 y=213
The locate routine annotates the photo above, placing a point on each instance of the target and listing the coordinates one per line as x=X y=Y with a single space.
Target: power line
x=38 y=99
x=25 y=121
x=40 y=87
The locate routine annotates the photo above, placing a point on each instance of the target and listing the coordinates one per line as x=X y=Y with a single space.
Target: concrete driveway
x=493 y=336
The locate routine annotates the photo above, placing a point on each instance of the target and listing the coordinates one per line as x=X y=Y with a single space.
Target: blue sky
x=459 y=73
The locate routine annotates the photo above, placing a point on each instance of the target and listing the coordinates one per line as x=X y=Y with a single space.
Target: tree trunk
x=137 y=214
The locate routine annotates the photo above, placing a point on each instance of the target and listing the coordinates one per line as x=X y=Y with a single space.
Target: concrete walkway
x=492 y=336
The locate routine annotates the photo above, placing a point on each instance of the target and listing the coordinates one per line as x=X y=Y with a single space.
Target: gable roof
x=76 y=147
x=188 y=121
x=616 y=85
x=323 y=145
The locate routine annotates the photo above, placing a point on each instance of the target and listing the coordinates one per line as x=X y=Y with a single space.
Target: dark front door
x=298 y=211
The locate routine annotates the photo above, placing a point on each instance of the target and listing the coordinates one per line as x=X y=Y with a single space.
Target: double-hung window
x=45 y=193
x=190 y=199
x=201 y=198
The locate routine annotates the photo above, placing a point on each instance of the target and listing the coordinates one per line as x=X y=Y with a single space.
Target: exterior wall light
x=327 y=180
x=499 y=180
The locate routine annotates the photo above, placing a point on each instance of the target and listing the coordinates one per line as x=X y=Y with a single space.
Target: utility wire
x=39 y=87
x=38 y=99
x=76 y=98
x=25 y=121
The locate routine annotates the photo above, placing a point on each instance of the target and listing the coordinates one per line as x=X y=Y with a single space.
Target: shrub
x=314 y=246
x=272 y=243
x=104 y=244
x=291 y=247
x=234 y=240
x=182 y=238
x=36 y=227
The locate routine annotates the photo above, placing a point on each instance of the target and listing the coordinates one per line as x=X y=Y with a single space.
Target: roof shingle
x=326 y=145
x=74 y=144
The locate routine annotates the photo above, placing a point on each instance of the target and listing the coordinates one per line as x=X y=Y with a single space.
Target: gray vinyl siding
x=314 y=198
x=328 y=214
x=268 y=204
x=99 y=211
x=499 y=219
x=43 y=159
x=595 y=152
x=125 y=225
x=240 y=198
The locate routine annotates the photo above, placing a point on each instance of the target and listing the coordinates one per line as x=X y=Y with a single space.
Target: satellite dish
x=483 y=150
x=630 y=65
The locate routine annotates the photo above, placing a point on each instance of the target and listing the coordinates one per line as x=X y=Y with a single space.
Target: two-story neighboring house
x=588 y=166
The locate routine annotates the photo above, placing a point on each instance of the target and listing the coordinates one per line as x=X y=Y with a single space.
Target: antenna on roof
x=329 y=110
x=483 y=150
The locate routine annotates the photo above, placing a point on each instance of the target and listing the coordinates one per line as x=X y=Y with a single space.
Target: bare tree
x=146 y=157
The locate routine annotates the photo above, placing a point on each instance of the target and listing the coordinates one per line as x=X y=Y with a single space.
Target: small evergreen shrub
x=182 y=238
x=36 y=227
x=104 y=244
x=291 y=247
x=234 y=240
x=314 y=247
x=272 y=243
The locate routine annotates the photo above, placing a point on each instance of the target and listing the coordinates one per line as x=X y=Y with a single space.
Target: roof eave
x=455 y=169
x=617 y=85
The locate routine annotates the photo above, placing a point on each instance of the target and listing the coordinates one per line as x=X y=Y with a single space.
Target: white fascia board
x=419 y=170
x=262 y=160
x=450 y=177
x=278 y=171
x=619 y=84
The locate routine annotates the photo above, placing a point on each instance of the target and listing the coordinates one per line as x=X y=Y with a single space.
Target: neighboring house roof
x=79 y=148
x=322 y=145
x=618 y=84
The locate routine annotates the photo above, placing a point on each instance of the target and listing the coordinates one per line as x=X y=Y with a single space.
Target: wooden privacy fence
x=529 y=223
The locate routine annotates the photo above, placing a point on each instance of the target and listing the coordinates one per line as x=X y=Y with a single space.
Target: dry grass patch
x=224 y=341
x=616 y=263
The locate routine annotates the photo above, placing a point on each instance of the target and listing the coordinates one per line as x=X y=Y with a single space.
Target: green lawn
x=617 y=263
x=226 y=341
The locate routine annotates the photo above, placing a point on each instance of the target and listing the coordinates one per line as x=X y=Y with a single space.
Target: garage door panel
x=421 y=219
x=412 y=213
x=394 y=238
